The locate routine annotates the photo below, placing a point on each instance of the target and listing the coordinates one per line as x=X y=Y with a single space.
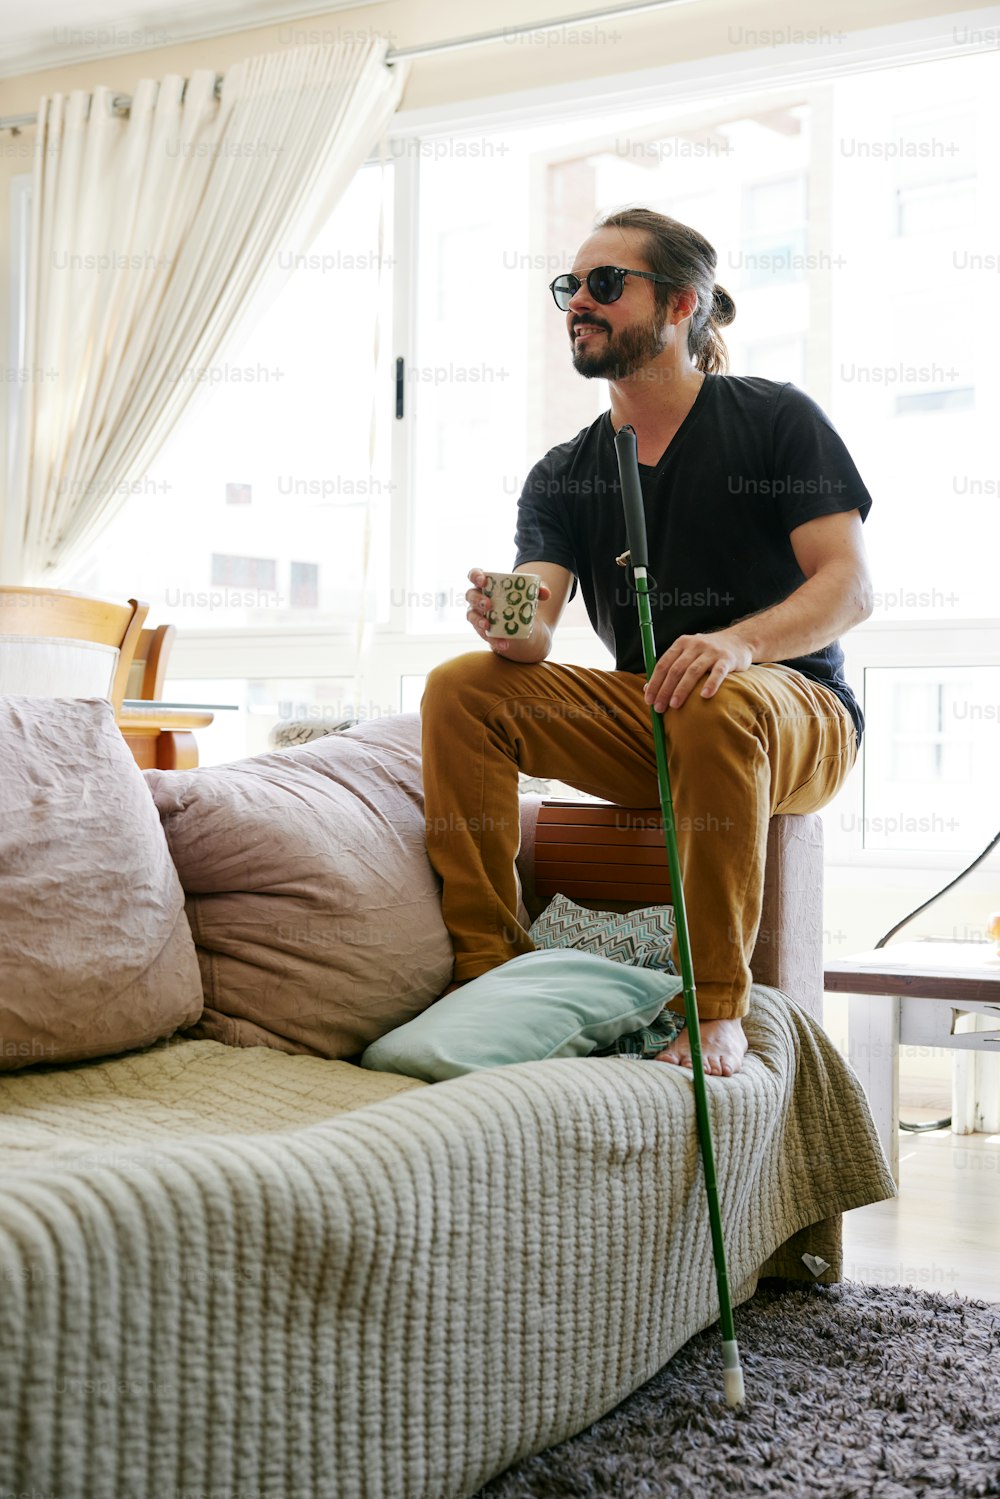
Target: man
x=753 y=510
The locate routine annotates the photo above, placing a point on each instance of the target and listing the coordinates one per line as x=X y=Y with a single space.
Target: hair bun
x=723 y=306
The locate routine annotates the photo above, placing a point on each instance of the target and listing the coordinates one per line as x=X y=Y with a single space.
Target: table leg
x=873 y=1052
x=975 y=1092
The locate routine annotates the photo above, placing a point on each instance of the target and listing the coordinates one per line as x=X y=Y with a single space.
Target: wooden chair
x=148 y=672
x=59 y=644
x=159 y=738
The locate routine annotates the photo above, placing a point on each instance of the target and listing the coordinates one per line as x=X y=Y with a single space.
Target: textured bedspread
x=132 y=1105
x=229 y=1292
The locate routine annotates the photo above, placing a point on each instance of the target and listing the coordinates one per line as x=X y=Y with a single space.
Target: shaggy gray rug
x=852 y=1391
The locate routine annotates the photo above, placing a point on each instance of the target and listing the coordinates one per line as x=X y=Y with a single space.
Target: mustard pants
x=769 y=741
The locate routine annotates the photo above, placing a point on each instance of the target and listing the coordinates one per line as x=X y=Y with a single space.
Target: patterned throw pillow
x=648 y=1041
x=642 y=937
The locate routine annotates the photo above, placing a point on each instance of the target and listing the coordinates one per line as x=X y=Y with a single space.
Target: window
x=774 y=231
x=862 y=270
x=933 y=735
x=303 y=522
x=777 y=359
x=935 y=156
x=245 y=572
x=924 y=402
x=923 y=207
x=304 y=585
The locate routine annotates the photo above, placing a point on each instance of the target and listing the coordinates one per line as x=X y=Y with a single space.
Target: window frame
x=879 y=643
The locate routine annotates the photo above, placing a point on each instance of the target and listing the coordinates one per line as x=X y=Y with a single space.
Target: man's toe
x=673 y=1057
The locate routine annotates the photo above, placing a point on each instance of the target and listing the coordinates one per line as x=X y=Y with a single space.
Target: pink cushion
x=96 y=956
x=314 y=907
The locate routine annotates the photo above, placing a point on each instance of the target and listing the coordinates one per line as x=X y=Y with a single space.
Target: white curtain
x=150 y=237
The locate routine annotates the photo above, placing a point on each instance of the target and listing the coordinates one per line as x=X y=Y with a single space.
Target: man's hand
x=478 y=612
x=689 y=659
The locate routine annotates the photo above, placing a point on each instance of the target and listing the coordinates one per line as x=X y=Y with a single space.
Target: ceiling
x=55 y=33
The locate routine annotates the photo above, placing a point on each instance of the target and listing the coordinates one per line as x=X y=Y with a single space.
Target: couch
x=252 y=1270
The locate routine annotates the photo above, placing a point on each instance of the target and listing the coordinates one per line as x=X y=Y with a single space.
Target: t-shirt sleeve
x=813 y=473
x=543 y=532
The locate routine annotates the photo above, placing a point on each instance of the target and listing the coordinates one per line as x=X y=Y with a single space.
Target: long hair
x=673 y=249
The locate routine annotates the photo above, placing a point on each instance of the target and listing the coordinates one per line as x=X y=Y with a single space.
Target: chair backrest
x=148 y=671
x=59 y=644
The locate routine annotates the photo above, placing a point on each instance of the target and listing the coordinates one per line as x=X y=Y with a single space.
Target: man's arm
x=836 y=595
x=558 y=582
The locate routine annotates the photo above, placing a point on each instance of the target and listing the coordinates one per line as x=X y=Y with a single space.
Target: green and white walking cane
x=635 y=524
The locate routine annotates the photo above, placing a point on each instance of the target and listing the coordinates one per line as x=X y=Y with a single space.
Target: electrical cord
x=918 y=1129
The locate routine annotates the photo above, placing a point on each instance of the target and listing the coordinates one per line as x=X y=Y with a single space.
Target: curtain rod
x=477 y=39
x=510 y=33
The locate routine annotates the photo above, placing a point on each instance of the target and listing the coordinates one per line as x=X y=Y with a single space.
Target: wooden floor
x=942 y=1233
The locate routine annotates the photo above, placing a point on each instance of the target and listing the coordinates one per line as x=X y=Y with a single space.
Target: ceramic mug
x=514 y=599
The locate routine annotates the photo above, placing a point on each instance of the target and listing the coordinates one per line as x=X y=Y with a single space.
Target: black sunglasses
x=605 y=284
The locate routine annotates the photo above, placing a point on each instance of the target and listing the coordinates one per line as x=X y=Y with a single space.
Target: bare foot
x=723 y=1047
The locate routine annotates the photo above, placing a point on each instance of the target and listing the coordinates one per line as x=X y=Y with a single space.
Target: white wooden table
x=928 y=993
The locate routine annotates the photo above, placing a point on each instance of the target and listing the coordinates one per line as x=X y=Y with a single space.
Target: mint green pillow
x=551 y=1003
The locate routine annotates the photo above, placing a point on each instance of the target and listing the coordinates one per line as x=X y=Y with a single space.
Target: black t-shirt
x=751 y=461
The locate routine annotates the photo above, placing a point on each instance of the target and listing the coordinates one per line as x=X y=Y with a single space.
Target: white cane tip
x=732 y=1383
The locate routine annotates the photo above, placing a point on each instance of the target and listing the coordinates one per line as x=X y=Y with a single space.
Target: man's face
x=613 y=340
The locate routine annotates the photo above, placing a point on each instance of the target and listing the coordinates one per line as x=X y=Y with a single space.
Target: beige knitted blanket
x=272 y=1275
x=174 y=1090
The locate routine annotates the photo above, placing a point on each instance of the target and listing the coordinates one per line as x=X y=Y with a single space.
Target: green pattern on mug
x=519 y=593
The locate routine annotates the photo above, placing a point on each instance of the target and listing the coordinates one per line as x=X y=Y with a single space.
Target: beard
x=623 y=354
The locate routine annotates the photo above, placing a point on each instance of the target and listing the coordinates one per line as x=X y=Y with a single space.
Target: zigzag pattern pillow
x=641 y=938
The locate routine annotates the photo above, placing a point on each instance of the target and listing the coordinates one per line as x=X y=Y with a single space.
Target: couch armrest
x=789 y=950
